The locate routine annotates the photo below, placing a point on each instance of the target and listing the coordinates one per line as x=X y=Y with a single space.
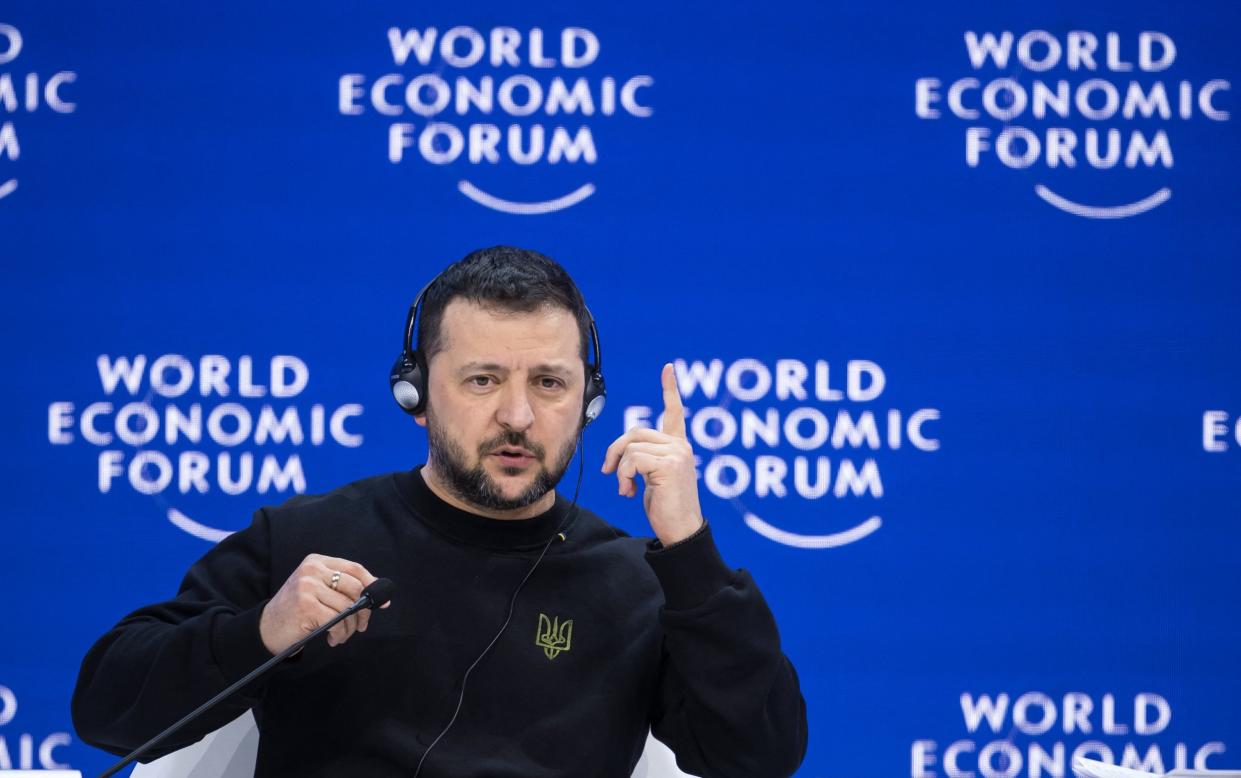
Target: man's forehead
x=481 y=335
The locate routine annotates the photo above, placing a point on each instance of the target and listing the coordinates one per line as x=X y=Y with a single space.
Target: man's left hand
x=665 y=461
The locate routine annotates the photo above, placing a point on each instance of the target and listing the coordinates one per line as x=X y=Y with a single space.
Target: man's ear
x=421 y=420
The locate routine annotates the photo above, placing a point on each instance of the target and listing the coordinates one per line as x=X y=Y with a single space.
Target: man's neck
x=441 y=490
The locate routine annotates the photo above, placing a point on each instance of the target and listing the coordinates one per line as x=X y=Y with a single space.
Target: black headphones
x=408 y=378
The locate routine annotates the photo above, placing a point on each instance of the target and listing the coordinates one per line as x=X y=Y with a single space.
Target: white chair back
x=230 y=752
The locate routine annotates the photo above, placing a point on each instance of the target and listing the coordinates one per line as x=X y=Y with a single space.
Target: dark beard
x=474 y=485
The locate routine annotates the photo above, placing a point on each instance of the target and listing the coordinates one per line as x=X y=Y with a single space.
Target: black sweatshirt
x=611 y=635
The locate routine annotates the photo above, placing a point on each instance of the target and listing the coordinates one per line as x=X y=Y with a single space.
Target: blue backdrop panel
x=951 y=291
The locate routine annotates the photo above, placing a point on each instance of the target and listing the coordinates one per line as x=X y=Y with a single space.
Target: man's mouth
x=513 y=456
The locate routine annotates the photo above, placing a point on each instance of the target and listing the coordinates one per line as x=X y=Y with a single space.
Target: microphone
x=376 y=595
x=373 y=596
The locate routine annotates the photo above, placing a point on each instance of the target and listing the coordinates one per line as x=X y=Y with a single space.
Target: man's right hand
x=307 y=600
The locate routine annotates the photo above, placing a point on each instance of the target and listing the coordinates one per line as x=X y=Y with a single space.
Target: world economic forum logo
x=180 y=430
x=1076 y=107
x=1036 y=733
x=775 y=438
x=503 y=99
x=22 y=749
x=24 y=93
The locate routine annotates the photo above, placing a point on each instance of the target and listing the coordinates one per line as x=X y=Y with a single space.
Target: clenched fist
x=308 y=599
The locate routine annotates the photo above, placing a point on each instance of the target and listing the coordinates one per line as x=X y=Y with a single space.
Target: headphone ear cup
x=595 y=399
x=408 y=384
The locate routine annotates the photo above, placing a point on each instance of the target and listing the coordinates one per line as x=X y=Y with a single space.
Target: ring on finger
x=335 y=580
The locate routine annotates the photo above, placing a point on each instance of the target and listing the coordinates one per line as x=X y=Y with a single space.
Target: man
x=527 y=638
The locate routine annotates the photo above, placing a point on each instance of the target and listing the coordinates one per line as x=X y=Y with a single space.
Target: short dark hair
x=504 y=277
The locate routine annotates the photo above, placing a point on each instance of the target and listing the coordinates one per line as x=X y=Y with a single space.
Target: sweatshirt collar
x=472 y=529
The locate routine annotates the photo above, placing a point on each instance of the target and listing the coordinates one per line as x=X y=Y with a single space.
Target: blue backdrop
x=952 y=292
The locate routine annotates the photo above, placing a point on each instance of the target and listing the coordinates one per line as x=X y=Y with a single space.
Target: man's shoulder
x=349 y=496
x=615 y=561
x=590 y=530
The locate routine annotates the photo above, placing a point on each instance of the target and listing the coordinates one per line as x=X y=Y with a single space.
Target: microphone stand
x=367 y=600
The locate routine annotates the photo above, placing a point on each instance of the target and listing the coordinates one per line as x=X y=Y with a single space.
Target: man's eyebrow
x=557 y=368
x=493 y=367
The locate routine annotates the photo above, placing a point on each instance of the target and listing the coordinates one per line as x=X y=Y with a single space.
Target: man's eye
x=480 y=380
x=550 y=383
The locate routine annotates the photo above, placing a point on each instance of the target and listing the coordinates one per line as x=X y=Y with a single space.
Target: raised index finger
x=674 y=411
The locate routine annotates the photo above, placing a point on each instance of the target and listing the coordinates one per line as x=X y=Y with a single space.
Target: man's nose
x=515 y=411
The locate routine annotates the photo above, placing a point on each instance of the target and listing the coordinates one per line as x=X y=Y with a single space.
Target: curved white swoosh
x=202 y=531
x=813 y=541
x=525 y=209
x=7 y=187
x=1104 y=212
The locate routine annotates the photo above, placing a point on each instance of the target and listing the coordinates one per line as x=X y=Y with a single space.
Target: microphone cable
x=569 y=516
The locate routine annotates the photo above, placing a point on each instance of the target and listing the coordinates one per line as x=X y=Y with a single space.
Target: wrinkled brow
x=554 y=368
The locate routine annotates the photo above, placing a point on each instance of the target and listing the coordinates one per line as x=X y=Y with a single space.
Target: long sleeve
x=162 y=661
x=729 y=701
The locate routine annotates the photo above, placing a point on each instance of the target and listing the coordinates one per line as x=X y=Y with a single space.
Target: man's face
x=504 y=402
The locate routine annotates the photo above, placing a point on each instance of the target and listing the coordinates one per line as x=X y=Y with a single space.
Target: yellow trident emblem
x=553 y=635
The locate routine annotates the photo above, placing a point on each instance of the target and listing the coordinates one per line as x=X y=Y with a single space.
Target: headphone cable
x=569 y=516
